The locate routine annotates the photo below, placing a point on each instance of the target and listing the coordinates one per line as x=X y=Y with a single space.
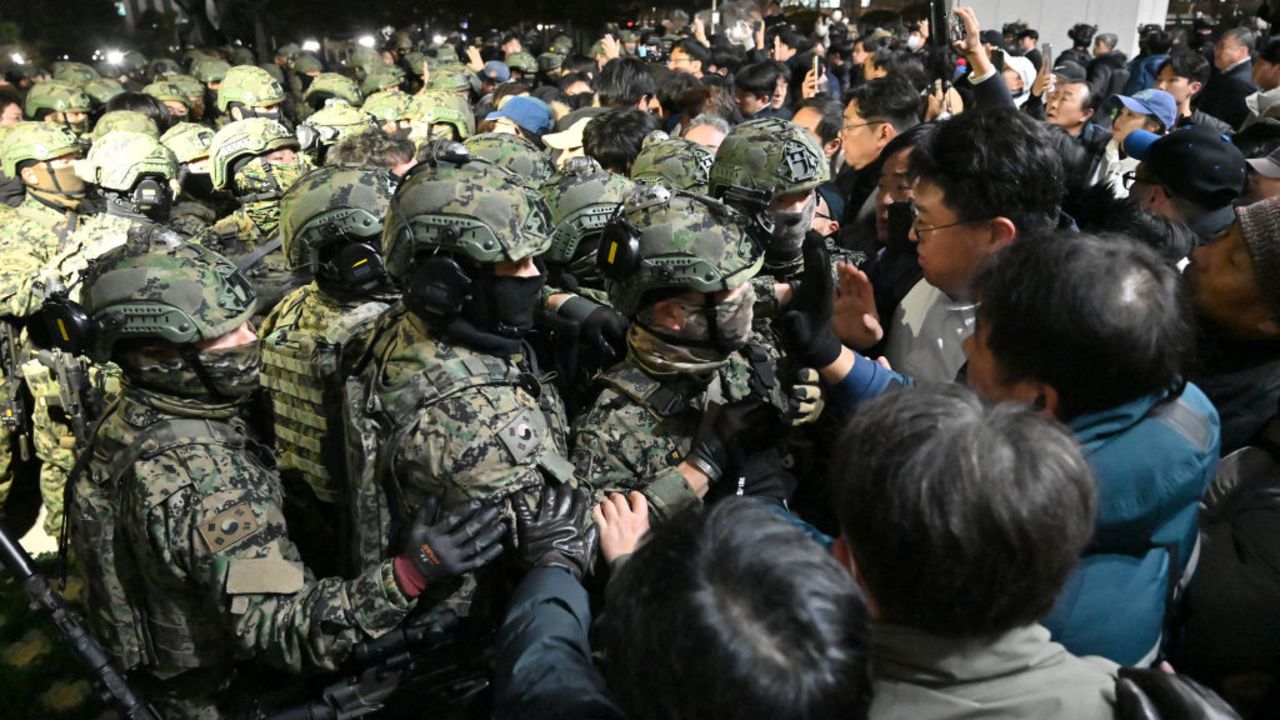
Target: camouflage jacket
x=30 y=237
x=238 y=235
x=767 y=306
x=448 y=422
x=189 y=567
x=95 y=237
x=190 y=216
x=642 y=426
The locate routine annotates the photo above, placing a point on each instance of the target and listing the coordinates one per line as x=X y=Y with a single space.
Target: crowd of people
x=732 y=369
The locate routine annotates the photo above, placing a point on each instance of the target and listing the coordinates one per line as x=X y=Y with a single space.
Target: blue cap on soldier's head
x=1196 y=163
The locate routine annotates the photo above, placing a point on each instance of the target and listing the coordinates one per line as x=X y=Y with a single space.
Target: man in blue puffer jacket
x=1096 y=333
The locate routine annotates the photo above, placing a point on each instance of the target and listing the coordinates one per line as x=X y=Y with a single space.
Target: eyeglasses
x=922 y=229
x=865 y=124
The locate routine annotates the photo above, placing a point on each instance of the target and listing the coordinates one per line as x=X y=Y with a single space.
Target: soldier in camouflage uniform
x=435 y=114
x=392 y=111
x=103 y=89
x=383 y=78
x=514 y=154
x=329 y=126
x=124 y=120
x=256 y=160
x=247 y=91
x=41 y=156
x=172 y=96
x=332 y=86
x=452 y=405
x=60 y=104
x=74 y=73
x=670 y=420
x=194 y=587
x=769 y=169
x=676 y=162
x=582 y=198
x=331 y=223
x=196 y=207
x=131 y=172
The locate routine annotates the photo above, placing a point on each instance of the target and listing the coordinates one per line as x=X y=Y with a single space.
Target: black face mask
x=198 y=185
x=504 y=304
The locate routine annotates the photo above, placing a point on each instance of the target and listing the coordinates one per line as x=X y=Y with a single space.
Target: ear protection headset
x=151 y=193
x=437 y=285
x=65 y=325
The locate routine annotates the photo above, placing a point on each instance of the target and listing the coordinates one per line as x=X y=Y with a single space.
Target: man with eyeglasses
x=877 y=112
x=688 y=56
x=958 y=224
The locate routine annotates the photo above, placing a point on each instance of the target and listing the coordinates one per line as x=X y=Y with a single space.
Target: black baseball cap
x=1194 y=162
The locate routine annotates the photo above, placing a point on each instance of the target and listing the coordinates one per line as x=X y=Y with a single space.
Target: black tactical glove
x=806 y=326
x=553 y=536
x=603 y=337
x=464 y=539
x=739 y=426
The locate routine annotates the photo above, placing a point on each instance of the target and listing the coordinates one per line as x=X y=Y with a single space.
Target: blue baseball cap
x=497 y=71
x=1156 y=103
x=531 y=114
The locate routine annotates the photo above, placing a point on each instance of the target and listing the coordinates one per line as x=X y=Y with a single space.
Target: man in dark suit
x=1232 y=78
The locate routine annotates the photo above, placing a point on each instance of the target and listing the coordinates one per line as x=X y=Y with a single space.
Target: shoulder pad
x=634 y=383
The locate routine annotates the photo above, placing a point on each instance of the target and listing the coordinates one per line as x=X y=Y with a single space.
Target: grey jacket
x=1021 y=674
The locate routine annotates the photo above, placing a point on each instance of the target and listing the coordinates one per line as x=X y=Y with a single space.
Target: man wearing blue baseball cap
x=524 y=115
x=1155 y=111
x=1192 y=176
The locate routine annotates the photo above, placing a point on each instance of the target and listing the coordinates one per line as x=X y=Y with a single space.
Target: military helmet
x=335 y=84
x=35 y=141
x=337 y=122
x=414 y=61
x=240 y=55
x=307 y=63
x=562 y=45
x=522 y=61
x=450 y=80
x=514 y=154
x=768 y=157
x=74 y=73
x=289 y=51
x=124 y=120
x=128 y=63
x=274 y=71
x=665 y=241
x=56 y=96
x=365 y=58
x=429 y=108
x=549 y=61
x=582 y=199
x=482 y=214
x=120 y=157
x=680 y=164
x=190 y=87
x=100 y=90
x=387 y=107
x=384 y=77
x=210 y=70
x=250 y=86
x=330 y=206
x=179 y=293
x=164 y=90
x=162 y=66
x=250 y=137
x=188 y=141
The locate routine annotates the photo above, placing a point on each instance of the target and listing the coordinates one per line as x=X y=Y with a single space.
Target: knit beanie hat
x=1260 y=226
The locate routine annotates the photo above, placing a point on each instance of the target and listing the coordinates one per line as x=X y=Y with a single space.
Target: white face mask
x=914 y=42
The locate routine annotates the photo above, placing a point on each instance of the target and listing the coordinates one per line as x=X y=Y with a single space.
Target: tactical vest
x=159 y=623
x=378 y=416
x=303 y=369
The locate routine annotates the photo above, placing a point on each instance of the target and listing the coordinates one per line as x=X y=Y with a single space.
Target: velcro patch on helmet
x=799 y=162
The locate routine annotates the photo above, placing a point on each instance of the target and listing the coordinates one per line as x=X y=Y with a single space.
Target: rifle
x=112 y=684
x=14 y=415
x=432 y=660
x=73 y=388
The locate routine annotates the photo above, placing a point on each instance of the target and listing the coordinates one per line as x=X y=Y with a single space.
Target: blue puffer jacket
x=1153 y=459
x=1142 y=73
